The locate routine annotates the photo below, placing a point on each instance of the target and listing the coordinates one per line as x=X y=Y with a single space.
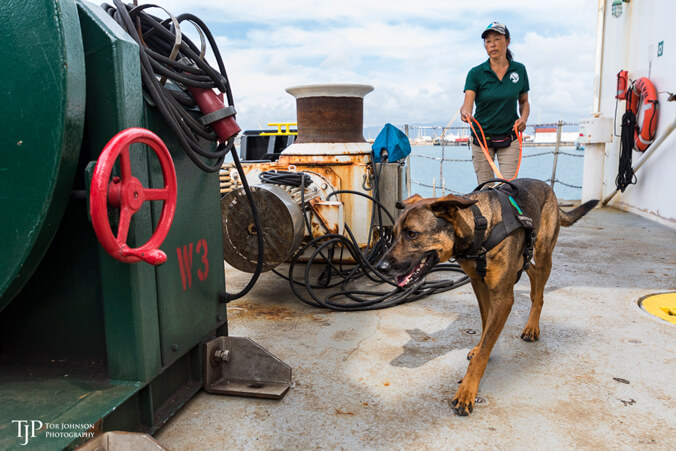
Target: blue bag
x=394 y=141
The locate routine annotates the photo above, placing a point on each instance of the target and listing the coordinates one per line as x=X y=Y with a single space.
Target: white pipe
x=598 y=64
x=667 y=131
x=594 y=155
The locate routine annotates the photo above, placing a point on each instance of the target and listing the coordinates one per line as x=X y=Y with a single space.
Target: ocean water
x=458 y=175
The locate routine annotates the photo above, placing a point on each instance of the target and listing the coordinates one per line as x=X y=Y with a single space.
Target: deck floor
x=601 y=376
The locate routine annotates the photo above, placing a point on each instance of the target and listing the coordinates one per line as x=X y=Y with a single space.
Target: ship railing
x=464 y=131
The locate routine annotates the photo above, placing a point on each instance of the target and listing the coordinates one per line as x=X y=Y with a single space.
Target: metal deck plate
x=245 y=370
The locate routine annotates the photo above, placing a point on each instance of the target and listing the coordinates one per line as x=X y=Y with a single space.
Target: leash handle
x=497 y=180
x=484 y=148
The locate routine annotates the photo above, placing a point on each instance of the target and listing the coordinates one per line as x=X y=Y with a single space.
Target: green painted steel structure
x=86 y=339
x=42 y=109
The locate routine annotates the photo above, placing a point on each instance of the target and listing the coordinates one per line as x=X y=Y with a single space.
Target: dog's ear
x=406 y=202
x=443 y=206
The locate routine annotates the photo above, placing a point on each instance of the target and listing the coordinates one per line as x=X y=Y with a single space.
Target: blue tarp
x=394 y=140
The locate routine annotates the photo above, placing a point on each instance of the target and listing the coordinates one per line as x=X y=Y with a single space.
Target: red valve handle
x=128 y=194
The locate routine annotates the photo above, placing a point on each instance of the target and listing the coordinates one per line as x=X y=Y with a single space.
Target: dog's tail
x=568 y=218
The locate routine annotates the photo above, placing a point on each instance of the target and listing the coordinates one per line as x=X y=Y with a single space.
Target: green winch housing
x=87 y=341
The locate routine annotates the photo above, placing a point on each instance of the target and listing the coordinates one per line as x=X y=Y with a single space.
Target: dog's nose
x=384 y=266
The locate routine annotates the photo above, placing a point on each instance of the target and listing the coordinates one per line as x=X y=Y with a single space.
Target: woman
x=496 y=86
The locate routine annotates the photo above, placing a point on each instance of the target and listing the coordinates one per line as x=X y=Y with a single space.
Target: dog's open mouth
x=418 y=271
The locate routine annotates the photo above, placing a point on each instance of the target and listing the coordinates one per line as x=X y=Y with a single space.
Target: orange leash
x=484 y=148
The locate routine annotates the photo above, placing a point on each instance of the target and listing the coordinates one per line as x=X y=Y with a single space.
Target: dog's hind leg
x=531 y=332
x=496 y=316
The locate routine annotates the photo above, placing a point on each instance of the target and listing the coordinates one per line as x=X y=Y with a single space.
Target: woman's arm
x=467 y=105
x=524 y=111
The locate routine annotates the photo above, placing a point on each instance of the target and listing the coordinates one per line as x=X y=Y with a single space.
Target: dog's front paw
x=463 y=403
x=530 y=333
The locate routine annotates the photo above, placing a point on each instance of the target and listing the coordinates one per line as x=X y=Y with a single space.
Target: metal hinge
x=239 y=366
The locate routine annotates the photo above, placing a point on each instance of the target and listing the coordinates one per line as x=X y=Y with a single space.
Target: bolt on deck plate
x=239 y=366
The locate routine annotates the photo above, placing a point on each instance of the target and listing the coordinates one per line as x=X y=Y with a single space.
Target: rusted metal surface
x=323 y=153
x=281 y=219
x=347 y=177
x=331 y=113
x=342 y=172
x=330 y=119
x=329 y=215
x=330 y=145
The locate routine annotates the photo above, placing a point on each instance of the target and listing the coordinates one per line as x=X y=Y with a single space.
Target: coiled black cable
x=166 y=53
x=335 y=285
x=625 y=173
x=348 y=298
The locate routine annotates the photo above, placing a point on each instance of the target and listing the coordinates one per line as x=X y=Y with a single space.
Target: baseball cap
x=497 y=27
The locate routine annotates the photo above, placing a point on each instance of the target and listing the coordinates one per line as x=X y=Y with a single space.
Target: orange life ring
x=643 y=103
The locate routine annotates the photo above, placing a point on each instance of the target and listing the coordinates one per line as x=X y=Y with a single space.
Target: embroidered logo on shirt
x=514 y=77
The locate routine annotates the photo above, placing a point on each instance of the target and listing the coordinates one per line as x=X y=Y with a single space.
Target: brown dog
x=435 y=230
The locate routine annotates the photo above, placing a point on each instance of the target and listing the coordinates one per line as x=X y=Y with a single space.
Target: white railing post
x=556 y=151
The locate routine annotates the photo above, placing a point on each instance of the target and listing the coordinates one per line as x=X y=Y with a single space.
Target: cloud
x=560 y=73
x=415 y=55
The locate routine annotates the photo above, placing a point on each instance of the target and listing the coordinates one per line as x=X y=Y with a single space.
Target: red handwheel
x=128 y=194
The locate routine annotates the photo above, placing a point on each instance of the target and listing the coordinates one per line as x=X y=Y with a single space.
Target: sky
x=416 y=54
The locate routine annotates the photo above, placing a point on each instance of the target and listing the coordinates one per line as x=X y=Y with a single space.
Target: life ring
x=643 y=101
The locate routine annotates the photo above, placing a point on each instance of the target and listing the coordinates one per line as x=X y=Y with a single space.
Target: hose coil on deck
x=335 y=286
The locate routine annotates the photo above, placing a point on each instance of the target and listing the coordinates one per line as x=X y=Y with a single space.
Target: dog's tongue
x=403 y=280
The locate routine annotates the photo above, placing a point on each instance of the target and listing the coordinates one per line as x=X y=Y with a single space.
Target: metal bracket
x=239 y=366
x=218 y=115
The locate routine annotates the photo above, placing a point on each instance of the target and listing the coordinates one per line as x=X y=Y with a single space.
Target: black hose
x=286 y=178
x=227 y=297
x=352 y=299
x=186 y=68
x=333 y=287
x=625 y=173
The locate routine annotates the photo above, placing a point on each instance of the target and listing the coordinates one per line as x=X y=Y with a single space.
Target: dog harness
x=512 y=219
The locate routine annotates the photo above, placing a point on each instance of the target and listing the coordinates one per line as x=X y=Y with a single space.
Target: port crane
x=443 y=130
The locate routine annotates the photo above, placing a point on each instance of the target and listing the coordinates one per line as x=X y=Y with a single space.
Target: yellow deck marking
x=661 y=305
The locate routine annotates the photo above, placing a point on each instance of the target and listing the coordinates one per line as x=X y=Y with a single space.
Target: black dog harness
x=512 y=219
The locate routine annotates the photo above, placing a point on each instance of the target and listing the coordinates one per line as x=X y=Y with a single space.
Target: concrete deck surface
x=601 y=376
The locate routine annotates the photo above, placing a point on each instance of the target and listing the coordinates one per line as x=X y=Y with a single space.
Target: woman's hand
x=524 y=112
x=466 y=115
x=520 y=124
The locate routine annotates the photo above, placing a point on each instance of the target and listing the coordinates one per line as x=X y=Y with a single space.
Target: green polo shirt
x=497 y=101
